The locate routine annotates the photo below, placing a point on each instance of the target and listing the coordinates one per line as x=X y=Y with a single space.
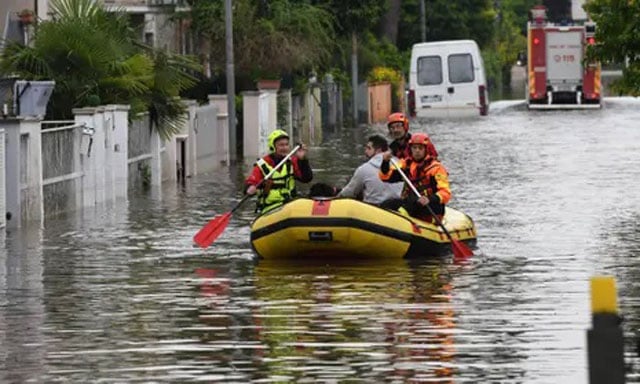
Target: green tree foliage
x=355 y=22
x=376 y=52
x=448 y=20
x=519 y=10
x=93 y=57
x=358 y=16
x=558 y=10
x=270 y=37
x=296 y=36
x=509 y=40
x=618 y=28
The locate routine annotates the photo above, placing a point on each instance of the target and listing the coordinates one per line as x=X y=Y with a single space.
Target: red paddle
x=460 y=249
x=214 y=228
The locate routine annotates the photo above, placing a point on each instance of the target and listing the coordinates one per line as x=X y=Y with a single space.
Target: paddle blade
x=460 y=250
x=210 y=232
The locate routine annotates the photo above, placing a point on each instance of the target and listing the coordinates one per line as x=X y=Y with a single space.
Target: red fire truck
x=559 y=76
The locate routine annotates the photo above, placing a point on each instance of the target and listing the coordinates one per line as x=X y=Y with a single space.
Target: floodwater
x=120 y=295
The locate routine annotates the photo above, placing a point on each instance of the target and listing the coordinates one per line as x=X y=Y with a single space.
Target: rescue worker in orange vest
x=398 y=125
x=281 y=187
x=426 y=173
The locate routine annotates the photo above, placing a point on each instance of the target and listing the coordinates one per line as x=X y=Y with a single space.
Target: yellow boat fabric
x=306 y=228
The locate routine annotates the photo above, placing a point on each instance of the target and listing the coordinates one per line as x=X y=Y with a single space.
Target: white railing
x=62 y=171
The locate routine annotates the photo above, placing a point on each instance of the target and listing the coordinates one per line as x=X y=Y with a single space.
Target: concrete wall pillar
x=285 y=122
x=168 y=157
x=222 y=144
x=314 y=122
x=98 y=154
x=120 y=149
x=219 y=101
x=156 y=158
x=23 y=171
x=251 y=124
x=263 y=124
x=329 y=98
x=12 y=172
x=87 y=154
x=302 y=125
x=207 y=138
x=317 y=121
x=32 y=194
x=109 y=171
x=271 y=97
x=339 y=107
x=189 y=168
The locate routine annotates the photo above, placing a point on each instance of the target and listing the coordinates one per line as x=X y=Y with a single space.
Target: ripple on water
x=122 y=295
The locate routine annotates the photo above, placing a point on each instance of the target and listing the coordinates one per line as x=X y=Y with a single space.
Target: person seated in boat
x=426 y=173
x=323 y=190
x=281 y=187
x=365 y=182
x=398 y=125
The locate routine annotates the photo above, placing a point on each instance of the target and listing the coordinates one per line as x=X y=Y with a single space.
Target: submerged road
x=120 y=295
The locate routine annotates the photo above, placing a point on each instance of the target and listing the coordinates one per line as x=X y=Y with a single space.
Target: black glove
x=434 y=199
x=384 y=166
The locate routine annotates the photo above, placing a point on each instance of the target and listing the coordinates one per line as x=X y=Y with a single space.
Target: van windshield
x=460 y=68
x=429 y=70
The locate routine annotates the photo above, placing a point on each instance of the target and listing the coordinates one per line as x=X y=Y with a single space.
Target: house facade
x=155 y=22
x=9 y=10
x=152 y=18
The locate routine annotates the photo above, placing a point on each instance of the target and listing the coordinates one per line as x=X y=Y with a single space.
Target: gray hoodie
x=365 y=180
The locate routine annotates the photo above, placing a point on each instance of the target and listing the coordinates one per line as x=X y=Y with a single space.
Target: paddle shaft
x=267 y=177
x=214 y=228
x=415 y=190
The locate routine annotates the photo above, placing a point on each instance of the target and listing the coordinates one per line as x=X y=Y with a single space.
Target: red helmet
x=398 y=117
x=423 y=139
x=419 y=138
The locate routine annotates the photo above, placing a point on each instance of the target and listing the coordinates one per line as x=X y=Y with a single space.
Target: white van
x=447 y=79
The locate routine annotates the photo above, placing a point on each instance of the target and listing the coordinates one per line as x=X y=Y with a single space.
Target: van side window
x=461 y=68
x=429 y=70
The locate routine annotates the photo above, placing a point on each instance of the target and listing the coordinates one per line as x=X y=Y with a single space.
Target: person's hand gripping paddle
x=214 y=228
x=460 y=249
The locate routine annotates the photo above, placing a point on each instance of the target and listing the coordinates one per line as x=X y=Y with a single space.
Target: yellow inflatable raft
x=305 y=228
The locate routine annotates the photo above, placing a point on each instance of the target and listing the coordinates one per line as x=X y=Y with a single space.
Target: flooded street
x=121 y=295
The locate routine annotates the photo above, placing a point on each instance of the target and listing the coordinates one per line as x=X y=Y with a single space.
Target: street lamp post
x=423 y=21
x=231 y=84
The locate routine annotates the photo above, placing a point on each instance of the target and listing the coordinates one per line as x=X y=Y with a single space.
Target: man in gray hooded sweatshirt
x=366 y=181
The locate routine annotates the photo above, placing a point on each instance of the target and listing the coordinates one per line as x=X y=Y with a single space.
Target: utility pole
x=231 y=83
x=423 y=21
x=354 y=76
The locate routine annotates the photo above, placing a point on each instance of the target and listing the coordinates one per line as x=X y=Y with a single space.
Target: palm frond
x=75 y=9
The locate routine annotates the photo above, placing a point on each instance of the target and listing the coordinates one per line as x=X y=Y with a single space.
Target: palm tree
x=94 y=58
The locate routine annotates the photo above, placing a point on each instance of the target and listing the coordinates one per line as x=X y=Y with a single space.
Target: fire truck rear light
x=536 y=41
x=591 y=40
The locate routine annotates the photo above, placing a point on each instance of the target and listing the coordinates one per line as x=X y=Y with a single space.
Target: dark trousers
x=411 y=205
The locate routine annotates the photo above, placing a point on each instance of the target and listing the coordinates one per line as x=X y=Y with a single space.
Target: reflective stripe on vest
x=416 y=175
x=281 y=187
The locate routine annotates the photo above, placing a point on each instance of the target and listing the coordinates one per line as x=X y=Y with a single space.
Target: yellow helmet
x=275 y=136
